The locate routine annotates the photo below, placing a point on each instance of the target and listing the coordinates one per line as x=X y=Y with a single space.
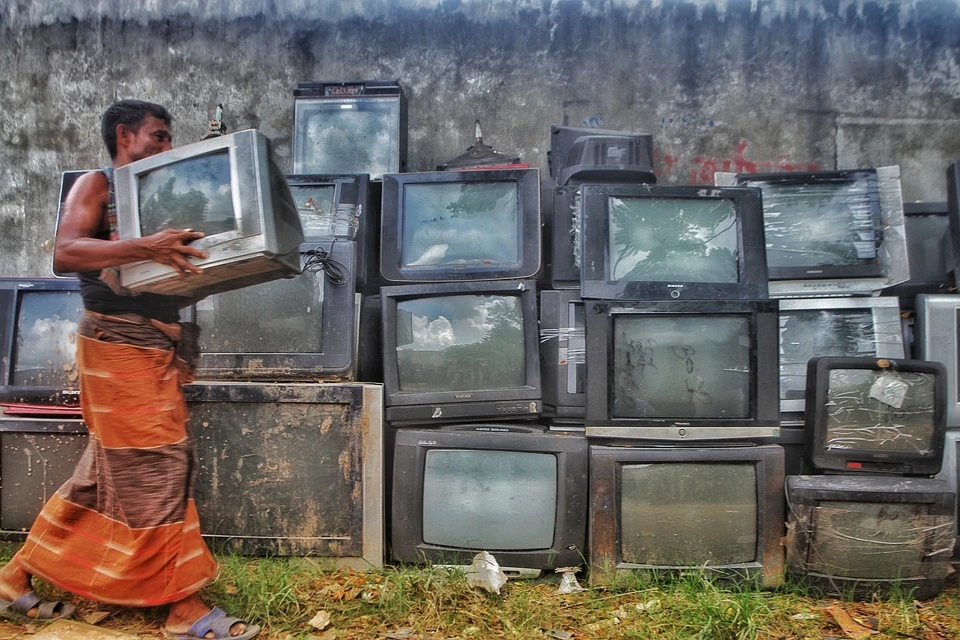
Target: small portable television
x=820 y=225
x=457 y=352
x=38 y=338
x=441 y=226
x=855 y=327
x=294 y=329
x=661 y=510
x=579 y=155
x=860 y=536
x=350 y=127
x=563 y=356
x=682 y=369
x=937 y=338
x=342 y=206
x=875 y=416
x=230 y=188
x=521 y=495
x=649 y=242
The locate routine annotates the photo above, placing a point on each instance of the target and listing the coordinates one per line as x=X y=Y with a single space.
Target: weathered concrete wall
x=740 y=85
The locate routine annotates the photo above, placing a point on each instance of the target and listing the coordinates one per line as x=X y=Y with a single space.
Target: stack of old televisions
x=661 y=291
x=473 y=469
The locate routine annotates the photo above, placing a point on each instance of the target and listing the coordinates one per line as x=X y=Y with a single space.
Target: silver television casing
x=264 y=245
x=936 y=331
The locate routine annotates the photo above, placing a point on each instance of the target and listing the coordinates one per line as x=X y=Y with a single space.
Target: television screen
x=682 y=369
x=869 y=415
x=583 y=155
x=643 y=242
x=659 y=509
x=521 y=495
x=227 y=187
x=461 y=225
x=852 y=327
x=38 y=337
x=861 y=536
x=563 y=355
x=455 y=351
x=349 y=128
x=823 y=224
x=937 y=338
x=301 y=328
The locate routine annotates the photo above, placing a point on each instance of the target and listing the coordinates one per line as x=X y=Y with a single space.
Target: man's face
x=151 y=138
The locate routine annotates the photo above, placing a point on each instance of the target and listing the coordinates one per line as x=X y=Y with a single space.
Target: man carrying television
x=124 y=528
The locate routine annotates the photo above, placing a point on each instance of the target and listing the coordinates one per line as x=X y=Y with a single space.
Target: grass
x=284 y=594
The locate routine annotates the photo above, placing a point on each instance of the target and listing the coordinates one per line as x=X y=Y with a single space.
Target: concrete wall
x=741 y=85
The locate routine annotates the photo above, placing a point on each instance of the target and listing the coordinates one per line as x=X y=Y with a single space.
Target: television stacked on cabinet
x=870 y=518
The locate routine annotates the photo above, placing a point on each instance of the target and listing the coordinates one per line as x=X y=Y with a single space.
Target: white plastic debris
x=486 y=572
x=568 y=580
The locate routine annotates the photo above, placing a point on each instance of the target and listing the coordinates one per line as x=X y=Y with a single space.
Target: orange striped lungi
x=124 y=528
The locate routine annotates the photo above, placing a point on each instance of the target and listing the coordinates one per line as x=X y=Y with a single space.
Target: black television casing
x=581 y=154
x=562 y=346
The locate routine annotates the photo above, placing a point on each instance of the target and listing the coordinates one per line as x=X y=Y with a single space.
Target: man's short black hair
x=131 y=113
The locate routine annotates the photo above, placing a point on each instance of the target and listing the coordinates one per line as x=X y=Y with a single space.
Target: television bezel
x=826 y=272
x=410 y=451
x=764 y=421
x=953 y=214
x=555 y=334
x=338 y=338
x=561 y=234
x=307 y=93
x=885 y=310
x=440 y=407
x=863 y=461
x=604 y=530
x=55 y=400
x=264 y=245
x=807 y=491
x=937 y=338
x=595 y=281
x=529 y=247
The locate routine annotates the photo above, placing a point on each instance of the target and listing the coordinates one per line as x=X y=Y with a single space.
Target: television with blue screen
x=230 y=188
x=520 y=494
x=856 y=536
x=648 y=242
x=440 y=226
x=669 y=510
x=38 y=345
x=937 y=337
x=862 y=326
x=579 y=155
x=682 y=369
x=350 y=127
x=875 y=415
x=820 y=225
x=455 y=352
x=294 y=329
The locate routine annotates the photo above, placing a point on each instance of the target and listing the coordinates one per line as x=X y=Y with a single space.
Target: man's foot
x=191 y=619
x=15 y=588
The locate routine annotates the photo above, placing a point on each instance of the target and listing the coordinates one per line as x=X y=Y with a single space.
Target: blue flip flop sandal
x=16 y=610
x=219 y=623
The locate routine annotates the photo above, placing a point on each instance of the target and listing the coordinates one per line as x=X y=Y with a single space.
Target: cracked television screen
x=461 y=224
x=681 y=367
x=673 y=240
x=880 y=410
x=460 y=343
x=317 y=211
x=46 y=343
x=194 y=193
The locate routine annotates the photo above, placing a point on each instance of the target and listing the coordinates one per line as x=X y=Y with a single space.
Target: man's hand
x=171 y=247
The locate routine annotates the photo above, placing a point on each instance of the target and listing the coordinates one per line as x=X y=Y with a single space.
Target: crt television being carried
x=675 y=509
x=875 y=415
x=350 y=127
x=455 y=352
x=295 y=329
x=859 y=326
x=38 y=345
x=439 y=226
x=644 y=242
x=859 y=536
x=228 y=187
x=580 y=155
x=682 y=369
x=521 y=494
x=823 y=224
x=937 y=337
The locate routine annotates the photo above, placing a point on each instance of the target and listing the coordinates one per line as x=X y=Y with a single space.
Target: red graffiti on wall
x=705 y=167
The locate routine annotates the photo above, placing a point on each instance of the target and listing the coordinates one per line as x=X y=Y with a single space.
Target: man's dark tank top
x=99 y=297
